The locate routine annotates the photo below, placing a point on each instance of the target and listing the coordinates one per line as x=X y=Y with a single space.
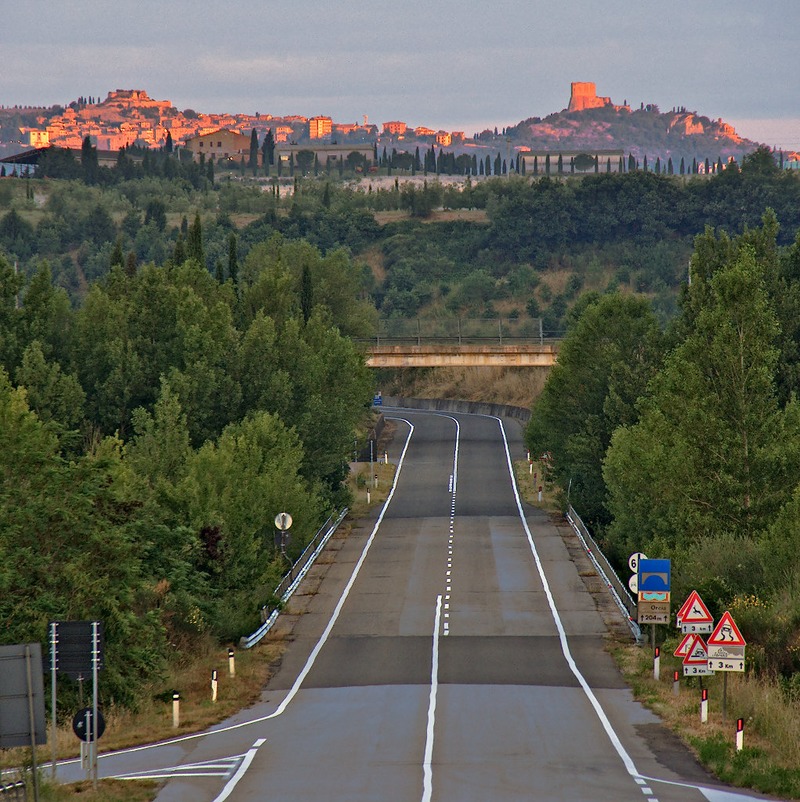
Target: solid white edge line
x=231 y=784
x=562 y=635
x=427 y=769
x=312 y=658
x=348 y=587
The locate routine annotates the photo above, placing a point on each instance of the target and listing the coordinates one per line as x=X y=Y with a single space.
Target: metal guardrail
x=461 y=331
x=13 y=792
x=616 y=587
x=293 y=577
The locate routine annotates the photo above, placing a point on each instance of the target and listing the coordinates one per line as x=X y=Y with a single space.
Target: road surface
x=452 y=653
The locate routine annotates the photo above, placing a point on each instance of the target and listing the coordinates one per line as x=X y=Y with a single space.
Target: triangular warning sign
x=683 y=646
x=696 y=653
x=726 y=633
x=695 y=611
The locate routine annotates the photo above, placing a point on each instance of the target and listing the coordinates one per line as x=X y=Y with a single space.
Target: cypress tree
x=547 y=164
x=683 y=166
x=179 y=254
x=194 y=241
x=254 y=151
x=306 y=293
x=117 y=259
x=536 y=165
x=168 y=144
x=130 y=265
x=560 y=164
x=233 y=259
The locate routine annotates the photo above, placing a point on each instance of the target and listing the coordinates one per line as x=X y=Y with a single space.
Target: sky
x=451 y=64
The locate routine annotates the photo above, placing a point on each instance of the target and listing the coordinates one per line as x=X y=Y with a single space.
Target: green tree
x=233 y=259
x=712 y=449
x=254 y=151
x=194 y=241
x=89 y=164
x=51 y=394
x=604 y=365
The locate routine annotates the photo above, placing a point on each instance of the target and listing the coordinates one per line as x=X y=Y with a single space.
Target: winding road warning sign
x=726 y=646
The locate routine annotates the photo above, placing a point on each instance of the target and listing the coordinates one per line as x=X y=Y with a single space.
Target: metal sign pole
x=725 y=696
x=32 y=721
x=95 y=667
x=53 y=666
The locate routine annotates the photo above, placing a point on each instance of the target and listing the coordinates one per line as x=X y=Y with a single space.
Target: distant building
x=583 y=95
x=220 y=144
x=423 y=131
x=791 y=161
x=320 y=127
x=395 y=128
x=444 y=138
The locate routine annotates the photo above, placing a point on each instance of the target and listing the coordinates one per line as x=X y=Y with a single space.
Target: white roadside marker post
x=676 y=684
x=739 y=734
x=657 y=663
x=214 y=685
x=176 y=710
x=231 y=663
x=704 y=706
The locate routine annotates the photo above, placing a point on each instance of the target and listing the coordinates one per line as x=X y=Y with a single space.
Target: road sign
x=634 y=560
x=695 y=661
x=83 y=724
x=652 y=612
x=633 y=583
x=694 y=616
x=71 y=648
x=283 y=521
x=726 y=646
x=654 y=575
x=22 y=719
x=377 y=400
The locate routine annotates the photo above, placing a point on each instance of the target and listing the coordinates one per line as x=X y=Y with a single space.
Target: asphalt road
x=451 y=653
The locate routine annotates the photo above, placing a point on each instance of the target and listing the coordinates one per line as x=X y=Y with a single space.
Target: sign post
x=283 y=522
x=726 y=652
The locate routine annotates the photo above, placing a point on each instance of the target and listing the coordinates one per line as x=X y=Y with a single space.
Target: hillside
x=595 y=123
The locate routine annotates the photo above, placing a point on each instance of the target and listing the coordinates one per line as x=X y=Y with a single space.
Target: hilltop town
x=593 y=123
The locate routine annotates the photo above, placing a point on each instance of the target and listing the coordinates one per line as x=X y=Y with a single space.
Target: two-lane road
x=453 y=654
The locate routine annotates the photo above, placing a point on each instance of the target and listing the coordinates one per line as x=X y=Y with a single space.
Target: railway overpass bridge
x=462 y=342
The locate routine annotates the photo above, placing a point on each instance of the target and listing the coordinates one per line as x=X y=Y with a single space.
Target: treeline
x=633 y=229
x=149 y=437
x=686 y=443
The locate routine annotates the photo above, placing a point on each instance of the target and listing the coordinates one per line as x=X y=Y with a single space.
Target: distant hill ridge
x=592 y=122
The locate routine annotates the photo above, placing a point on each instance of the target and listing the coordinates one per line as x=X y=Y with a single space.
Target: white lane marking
x=310 y=662
x=562 y=635
x=427 y=770
x=240 y=772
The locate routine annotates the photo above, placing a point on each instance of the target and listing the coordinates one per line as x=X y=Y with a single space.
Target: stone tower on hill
x=583 y=95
